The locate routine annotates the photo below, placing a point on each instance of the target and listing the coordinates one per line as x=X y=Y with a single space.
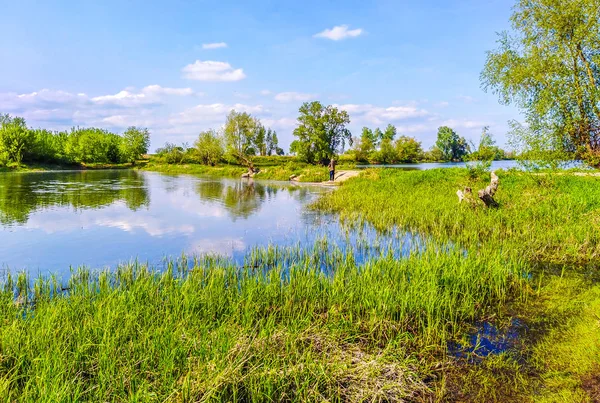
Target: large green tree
x=240 y=134
x=549 y=66
x=135 y=143
x=452 y=146
x=321 y=132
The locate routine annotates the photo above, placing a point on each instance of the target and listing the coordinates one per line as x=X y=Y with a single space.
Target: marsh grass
x=269 y=169
x=209 y=330
x=551 y=222
x=556 y=221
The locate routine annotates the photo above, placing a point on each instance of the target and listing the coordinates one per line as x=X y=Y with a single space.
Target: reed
x=278 y=328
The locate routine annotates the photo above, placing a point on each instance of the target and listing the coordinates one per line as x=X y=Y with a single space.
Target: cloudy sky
x=177 y=67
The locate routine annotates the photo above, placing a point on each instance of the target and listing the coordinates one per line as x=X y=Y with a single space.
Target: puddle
x=488 y=339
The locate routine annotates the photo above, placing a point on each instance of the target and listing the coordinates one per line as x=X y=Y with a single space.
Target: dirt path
x=340 y=176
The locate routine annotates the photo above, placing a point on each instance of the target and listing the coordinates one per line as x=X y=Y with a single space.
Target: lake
x=50 y=221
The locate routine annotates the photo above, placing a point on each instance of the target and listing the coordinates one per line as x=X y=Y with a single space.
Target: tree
x=172 y=153
x=453 y=147
x=240 y=135
x=321 y=132
x=209 y=147
x=260 y=139
x=487 y=149
x=135 y=143
x=15 y=138
x=389 y=133
x=272 y=143
x=433 y=155
x=387 y=153
x=549 y=67
x=365 y=146
x=408 y=149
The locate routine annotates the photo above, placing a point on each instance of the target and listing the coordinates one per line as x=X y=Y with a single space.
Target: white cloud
x=281 y=123
x=442 y=104
x=383 y=115
x=216 y=45
x=212 y=71
x=339 y=32
x=210 y=113
x=224 y=247
x=148 y=95
x=45 y=98
x=464 y=123
x=265 y=92
x=294 y=97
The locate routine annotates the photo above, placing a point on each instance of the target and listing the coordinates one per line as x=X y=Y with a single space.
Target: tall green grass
x=276 y=329
x=547 y=219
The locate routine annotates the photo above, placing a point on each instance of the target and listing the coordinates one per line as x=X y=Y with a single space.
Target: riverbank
x=41 y=167
x=279 y=171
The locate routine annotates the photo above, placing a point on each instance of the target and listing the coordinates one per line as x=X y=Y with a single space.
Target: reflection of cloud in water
x=150 y=225
x=115 y=217
x=225 y=246
x=196 y=207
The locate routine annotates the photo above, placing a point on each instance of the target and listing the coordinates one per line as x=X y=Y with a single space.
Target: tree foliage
x=549 y=66
x=136 y=142
x=321 y=132
x=487 y=149
x=408 y=149
x=209 y=147
x=15 y=138
x=452 y=146
x=79 y=145
x=240 y=135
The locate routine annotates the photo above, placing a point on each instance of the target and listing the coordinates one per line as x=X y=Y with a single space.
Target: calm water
x=51 y=221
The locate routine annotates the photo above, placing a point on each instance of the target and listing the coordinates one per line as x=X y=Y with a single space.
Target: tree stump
x=487 y=195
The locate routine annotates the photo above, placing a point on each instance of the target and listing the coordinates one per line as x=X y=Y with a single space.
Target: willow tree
x=549 y=66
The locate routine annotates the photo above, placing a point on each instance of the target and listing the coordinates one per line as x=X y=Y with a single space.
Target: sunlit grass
x=264 y=331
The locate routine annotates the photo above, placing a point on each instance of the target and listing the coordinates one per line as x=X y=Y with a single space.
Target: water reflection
x=22 y=194
x=50 y=221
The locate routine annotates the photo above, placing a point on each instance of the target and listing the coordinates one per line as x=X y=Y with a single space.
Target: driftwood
x=485 y=195
x=464 y=195
x=251 y=172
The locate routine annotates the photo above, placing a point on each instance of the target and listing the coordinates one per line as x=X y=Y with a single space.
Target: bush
x=15 y=138
x=209 y=148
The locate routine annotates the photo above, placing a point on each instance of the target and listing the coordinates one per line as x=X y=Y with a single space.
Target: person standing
x=331 y=170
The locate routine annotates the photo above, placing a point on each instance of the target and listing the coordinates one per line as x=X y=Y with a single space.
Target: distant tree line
x=382 y=147
x=242 y=138
x=19 y=143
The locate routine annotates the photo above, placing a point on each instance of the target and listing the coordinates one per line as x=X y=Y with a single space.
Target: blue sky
x=178 y=67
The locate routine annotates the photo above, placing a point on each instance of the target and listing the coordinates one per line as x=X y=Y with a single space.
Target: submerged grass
x=211 y=331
